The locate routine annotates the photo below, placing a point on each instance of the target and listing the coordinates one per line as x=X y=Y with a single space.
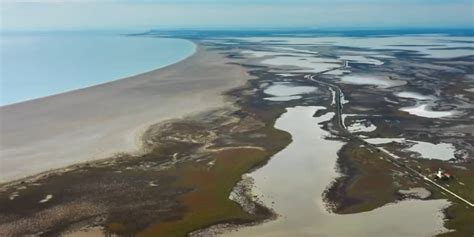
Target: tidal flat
x=275 y=160
x=180 y=184
x=101 y=121
x=370 y=178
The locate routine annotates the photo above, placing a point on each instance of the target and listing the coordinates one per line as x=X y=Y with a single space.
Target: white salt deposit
x=295 y=50
x=13 y=196
x=379 y=81
x=427 y=150
x=337 y=72
x=378 y=141
x=441 y=151
x=413 y=95
x=418 y=192
x=284 y=98
x=445 y=46
x=259 y=54
x=361 y=126
x=46 y=199
x=152 y=184
x=285 y=74
x=288 y=90
x=302 y=62
x=361 y=59
x=307 y=64
x=423 y=111
x=333 y=95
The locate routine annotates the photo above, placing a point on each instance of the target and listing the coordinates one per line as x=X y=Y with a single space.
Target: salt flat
x=428 y=46
x=423 y=111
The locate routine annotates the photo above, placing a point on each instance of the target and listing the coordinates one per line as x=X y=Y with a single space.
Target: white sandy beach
x=100 y=121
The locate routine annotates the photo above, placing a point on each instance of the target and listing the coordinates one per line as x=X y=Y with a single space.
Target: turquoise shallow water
x=34 y=66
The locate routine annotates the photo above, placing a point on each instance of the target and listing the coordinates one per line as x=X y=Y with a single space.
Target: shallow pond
x=293 y=181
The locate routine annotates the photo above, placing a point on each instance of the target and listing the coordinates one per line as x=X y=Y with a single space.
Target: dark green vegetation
x=372 y=181
x=191 y=166
x=458 y=216
x=369 y=182
x=181 y=184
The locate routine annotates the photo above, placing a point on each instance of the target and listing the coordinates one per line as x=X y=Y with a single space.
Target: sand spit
x=103 y=120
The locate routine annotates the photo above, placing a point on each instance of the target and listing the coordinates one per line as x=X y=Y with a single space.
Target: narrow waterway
x=293 y=181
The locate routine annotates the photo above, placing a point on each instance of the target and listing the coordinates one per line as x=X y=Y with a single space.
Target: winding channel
x=292 y=183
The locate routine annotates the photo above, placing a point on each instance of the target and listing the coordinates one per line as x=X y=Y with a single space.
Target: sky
x=39 y=15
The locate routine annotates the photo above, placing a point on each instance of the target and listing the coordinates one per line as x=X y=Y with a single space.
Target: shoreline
x=104 y=120
x=196 y=46
x=128 y=75
x=192 y=168
x=163 y=176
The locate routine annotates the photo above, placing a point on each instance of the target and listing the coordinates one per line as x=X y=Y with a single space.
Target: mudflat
x=103 y=120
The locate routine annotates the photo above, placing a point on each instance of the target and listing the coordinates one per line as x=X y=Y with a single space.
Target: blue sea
x=38 y=65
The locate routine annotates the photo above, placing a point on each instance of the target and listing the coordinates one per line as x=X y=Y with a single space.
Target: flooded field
x=293 y=181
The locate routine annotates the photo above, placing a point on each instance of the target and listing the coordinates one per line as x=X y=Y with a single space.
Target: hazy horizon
x=43 y=15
